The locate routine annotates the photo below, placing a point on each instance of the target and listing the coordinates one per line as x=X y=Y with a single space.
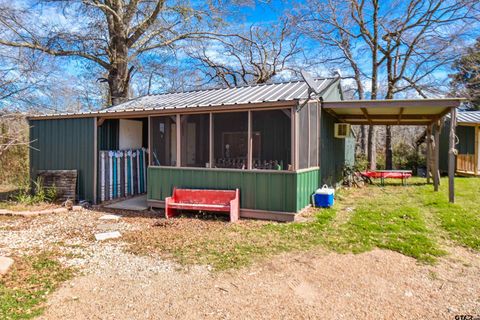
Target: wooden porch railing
x=466 y=163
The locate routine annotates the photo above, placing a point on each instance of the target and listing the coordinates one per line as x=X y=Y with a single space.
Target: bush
x=38 y=194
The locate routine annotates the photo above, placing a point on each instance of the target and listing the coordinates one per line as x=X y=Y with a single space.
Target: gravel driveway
x=118 y=285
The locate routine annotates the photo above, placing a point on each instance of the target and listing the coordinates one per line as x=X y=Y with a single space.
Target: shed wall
x=466 y=143
x=332 y=152
x=65 y=144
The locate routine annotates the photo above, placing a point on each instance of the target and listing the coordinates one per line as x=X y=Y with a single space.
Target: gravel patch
x=115 y=284
x=375 y=285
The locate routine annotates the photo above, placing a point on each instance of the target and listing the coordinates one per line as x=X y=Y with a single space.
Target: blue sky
x=69 y=70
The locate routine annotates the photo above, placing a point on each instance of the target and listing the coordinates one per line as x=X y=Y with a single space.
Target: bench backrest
x=201 y=196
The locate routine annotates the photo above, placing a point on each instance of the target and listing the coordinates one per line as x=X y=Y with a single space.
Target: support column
x=179 y=141
x=295 y=139
x=436 y=157
x=95 y=160
x=211 y=159
x=250 y=142
x=149 y=140
x=476 y=165
x=428 y=138
x=451 y=156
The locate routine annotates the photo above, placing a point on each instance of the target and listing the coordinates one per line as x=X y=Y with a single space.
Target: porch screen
x=271 y=139
x=163 y=133
x=230 y=147
x=303 y=137
x=313 y=118
x=195 y=140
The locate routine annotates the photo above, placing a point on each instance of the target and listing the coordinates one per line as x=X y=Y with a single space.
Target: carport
x=418 y=112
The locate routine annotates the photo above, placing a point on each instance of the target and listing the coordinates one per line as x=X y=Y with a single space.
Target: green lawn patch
x=413 y=220
x=24 y=289
x=461 y=219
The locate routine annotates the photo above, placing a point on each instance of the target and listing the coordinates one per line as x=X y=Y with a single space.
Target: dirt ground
x=115 y=284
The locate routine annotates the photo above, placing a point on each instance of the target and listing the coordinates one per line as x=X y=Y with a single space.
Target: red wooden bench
x=389 y=174
x=204 y=200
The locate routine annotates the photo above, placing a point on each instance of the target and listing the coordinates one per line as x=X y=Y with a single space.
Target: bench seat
x=204 y=200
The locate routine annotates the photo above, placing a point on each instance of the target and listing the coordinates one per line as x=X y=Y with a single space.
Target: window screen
x=195 y=140
x=303 y=149
x=271 y=133
x=230 y=145
x=313 y=134
x=164 y=141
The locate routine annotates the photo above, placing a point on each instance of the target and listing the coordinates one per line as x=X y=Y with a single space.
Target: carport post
x=428 y=136
x=451 y=156
x=436 y=156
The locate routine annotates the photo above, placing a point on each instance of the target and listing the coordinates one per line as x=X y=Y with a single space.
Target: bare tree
x=110 y=34
x=405 y=42
x=254 y=56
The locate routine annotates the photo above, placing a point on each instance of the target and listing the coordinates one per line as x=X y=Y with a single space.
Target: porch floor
x=138 y=203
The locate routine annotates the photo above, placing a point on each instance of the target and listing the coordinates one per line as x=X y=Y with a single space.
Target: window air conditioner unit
x=342 y=130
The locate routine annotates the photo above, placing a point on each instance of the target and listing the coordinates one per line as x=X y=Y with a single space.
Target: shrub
x=39 y=193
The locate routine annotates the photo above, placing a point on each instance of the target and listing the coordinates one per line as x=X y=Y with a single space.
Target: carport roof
x=391 y=112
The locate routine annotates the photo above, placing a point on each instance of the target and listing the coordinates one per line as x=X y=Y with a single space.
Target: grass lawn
x=24 y=290
x=412 y=220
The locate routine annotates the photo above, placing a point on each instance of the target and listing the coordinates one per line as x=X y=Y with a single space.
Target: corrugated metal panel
x=275 y=92
x=466 y=143
x=332 y=152
x=468 y=116
x=260 y=190
x=65 y=144
x=108 y=135
x=307 y=183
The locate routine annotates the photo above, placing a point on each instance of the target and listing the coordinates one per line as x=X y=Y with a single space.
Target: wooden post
x=211 y=159
x=436 y=158
x=428 y=138
x=451 y=156
x=149 y=140
x=296 y=140
x=250 y=142
x=476 y=159
x=179 y=141
x=308 y=106
x=95 y=159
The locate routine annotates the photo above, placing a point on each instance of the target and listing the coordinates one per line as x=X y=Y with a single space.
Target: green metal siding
x=108 y=135
x=350 y=151
x=466 y=137
x=64 y=144
x=306 y=184
x=332 y=152
x=259 y=190
x=335 y=153
x=466 y=143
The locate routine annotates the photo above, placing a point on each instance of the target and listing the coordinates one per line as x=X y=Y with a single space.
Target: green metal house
x=277 y=143
x=468 y=144
x=273 y=141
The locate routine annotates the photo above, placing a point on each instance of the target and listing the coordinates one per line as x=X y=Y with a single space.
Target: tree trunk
x=363 y=139
x=372 y=148
x=388 y=148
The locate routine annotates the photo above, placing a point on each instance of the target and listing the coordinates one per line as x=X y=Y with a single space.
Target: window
x=195 y=144
x=230 y=140
x=164 y=141
x=271 y=139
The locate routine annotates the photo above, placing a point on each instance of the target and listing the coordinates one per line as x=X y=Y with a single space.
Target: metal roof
x=468 y=117
x=391 y=112
x=285 y=91
x=260 y=93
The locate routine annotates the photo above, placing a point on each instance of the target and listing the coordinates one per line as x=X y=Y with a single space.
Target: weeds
x=39 y=194
x=24 y=290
